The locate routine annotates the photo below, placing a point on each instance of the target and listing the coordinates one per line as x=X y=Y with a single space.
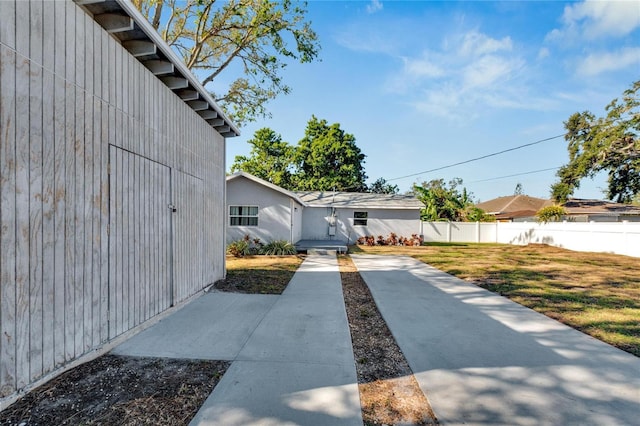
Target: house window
x=243 y=215
x=360 y=218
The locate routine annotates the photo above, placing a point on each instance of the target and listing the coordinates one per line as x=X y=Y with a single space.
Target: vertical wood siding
x=83 y=261
x=188 y=245
x=139 y=243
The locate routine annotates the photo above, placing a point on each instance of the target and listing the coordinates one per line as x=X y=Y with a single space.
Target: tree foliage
x=518 y=189
x=610 y=144
x=442 y=201
x=270 y=159
x=551 y=214
x=327 y=158
x=475 y=214
x=448 y=202
x=255 y=38
x=381 y=186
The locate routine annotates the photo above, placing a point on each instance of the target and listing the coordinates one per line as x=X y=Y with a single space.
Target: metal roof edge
x=225 y=126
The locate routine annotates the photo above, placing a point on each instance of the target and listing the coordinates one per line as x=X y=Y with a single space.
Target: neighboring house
x=522 y=208
x=261 y=209
x=514 y=208
x=579 y=210
x=112 y=183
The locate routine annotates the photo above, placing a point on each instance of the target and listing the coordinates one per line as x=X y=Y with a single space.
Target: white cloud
x=468 y=73
x=365 y=39
x=477 y=44
x=543 y=53
x=488 y=70
x=598 y=63
x=374 y=6
x=596 y=19
x=422 y=67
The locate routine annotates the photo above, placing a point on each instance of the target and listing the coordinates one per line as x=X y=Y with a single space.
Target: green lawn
x=598 y=294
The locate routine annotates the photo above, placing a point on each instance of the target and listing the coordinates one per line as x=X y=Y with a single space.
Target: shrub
x=244 y=247
x=392 y=240
x=278 y=248
x=239 y=248
x=416 y=240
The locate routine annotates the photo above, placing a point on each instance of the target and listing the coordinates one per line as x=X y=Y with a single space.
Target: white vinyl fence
x=609 y=237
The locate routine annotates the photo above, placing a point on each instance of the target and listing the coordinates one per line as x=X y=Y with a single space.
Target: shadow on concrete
x=482 y=359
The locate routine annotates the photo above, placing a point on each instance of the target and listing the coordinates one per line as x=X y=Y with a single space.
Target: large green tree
x=253 y=39
x=270 y=159
x=327 y=158
x=381 y=186
x=447 y=201
x=610 y=143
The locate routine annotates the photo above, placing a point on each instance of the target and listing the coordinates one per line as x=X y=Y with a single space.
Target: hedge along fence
x=609 y=237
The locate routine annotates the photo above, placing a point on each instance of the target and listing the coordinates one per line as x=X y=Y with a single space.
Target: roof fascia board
x=181 y=68
x=268 y=185
x=366 y=207
x=148 y=29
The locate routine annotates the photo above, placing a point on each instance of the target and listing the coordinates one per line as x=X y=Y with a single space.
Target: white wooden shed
x=112 y=183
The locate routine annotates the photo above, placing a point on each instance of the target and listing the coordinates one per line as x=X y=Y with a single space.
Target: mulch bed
x=119 y=390
x=389 y=393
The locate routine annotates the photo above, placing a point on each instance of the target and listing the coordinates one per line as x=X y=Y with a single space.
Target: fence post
x=448 y=232
x=625 y=238
x=477 y=231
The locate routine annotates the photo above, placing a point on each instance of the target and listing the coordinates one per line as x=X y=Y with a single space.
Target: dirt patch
x=118 y=390
x=259 y=274
x=389 y=393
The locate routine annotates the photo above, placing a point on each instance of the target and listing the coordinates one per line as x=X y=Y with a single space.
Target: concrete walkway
x=292 y=355
x=482 y=359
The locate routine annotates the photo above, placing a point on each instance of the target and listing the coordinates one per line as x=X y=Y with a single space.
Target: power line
x=517 y=174
x=478 y=158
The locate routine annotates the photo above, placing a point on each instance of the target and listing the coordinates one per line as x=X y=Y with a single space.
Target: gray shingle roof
x=358 y=200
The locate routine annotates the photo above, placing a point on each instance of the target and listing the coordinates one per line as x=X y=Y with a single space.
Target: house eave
x=126 y=24
x=266 y=184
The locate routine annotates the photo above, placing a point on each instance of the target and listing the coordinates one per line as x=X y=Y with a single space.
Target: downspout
x=291 y=212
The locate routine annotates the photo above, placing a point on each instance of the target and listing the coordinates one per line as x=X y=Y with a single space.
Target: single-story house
x=112 y=183
x=263 y=210
x=522 y=208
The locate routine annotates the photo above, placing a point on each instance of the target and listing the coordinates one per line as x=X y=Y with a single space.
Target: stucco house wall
x=316 y=220
x=315 y=223
x=279 y=215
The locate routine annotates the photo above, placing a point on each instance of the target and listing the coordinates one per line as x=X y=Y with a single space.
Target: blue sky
x=425 y=84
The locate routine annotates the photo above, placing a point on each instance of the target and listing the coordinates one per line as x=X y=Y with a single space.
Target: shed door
x=188 y=227
x=139 y=240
